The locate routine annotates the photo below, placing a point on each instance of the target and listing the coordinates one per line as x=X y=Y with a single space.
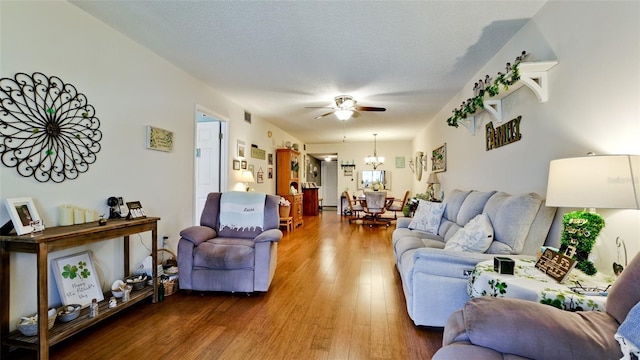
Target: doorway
x=330 y=184
x=210 y=158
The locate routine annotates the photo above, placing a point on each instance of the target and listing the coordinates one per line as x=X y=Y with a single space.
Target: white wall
x=357 y=151
x=593 y=106
x=130 y=87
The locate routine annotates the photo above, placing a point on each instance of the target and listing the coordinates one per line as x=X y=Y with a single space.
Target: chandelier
x=374 y=160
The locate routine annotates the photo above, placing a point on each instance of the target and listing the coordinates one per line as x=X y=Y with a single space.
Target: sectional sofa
x=434 y=264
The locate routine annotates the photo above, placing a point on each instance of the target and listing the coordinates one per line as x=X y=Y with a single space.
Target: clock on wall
x=48 y=130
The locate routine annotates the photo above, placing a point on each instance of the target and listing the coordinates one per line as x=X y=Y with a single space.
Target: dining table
x=388 y=200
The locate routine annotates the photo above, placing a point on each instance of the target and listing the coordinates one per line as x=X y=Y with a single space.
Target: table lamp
x=246 y=177
x=432 y=184
x=598 y=181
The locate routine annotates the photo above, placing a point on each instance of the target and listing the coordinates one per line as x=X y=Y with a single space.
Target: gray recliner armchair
x=501 y=328
x=235 y=246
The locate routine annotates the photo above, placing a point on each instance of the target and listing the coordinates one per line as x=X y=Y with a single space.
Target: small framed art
x=159 y=139
x=439 y=158
x=241 y=149
x=236 y=164
x=24 y=215
x=135 y=210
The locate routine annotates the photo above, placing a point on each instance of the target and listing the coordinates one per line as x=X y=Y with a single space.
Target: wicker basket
x=170 y=287
x=171 y=261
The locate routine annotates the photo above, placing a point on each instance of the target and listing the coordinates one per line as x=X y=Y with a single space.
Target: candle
x=78 y=216
x=89 y=215
x=65 y=215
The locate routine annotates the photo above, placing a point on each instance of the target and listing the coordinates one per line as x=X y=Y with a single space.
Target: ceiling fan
x=345 y=108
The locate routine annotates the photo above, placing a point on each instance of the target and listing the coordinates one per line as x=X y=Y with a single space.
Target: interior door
x=208 y=172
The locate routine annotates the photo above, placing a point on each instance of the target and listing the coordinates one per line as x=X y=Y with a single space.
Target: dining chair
x=354 y=208
x=375 y=205
x=397 y=204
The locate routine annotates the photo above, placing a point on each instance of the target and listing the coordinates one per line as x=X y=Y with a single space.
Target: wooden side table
x=55 y=239
x=287 y=222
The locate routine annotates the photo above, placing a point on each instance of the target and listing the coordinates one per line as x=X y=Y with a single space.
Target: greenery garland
x=477 y=103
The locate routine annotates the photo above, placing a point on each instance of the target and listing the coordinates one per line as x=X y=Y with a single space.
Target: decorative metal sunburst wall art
x=47 y=128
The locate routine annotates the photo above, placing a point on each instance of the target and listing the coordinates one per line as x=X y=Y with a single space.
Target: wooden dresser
x=310 y=197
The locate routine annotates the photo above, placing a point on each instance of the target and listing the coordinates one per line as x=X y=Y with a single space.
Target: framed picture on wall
x=260 y=176
x=159 y=139
x=241 y=149
x=270 y=159
x=243 y=165
x=439 y=158
x=236 y=164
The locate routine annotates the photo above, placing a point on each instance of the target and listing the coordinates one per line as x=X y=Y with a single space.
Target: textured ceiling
x=276 y=58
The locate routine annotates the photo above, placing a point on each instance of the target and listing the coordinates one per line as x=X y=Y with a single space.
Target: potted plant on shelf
x=412 y=204
x=285 y=207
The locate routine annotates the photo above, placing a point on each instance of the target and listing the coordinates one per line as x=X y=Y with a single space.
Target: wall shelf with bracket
x=532 y=75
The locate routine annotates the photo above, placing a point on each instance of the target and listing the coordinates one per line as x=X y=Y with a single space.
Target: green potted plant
x=412 y=204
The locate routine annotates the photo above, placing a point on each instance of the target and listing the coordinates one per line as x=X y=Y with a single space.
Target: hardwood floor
x=336 y=295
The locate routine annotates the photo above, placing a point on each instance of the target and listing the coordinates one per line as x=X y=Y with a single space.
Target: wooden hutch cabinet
x=288 y=170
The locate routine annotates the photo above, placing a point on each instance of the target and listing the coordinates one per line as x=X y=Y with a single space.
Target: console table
x=55 y=239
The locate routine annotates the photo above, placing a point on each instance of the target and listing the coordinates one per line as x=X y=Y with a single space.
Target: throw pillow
x=476 y=236
x=428 y=216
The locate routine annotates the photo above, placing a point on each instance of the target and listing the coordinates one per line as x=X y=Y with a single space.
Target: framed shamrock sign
x=77 y=279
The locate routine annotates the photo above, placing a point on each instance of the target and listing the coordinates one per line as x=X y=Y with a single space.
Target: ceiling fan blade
x=323 y=115
x=319 y=107
x=355 y=114
x=369 y=108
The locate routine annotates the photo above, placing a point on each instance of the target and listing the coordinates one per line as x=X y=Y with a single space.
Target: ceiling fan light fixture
x=348 y=103
x=343 y=115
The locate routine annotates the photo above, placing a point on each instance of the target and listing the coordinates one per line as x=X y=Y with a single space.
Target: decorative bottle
x=93 y=308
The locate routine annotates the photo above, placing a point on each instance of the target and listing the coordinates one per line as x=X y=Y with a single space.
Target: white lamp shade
x=607 y=181
x=246 y=177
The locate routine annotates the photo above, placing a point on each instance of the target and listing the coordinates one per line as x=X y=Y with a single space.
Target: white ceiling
x=275 y=58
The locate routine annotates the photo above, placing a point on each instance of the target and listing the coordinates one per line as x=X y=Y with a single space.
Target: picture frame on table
x=24 y=215
x=77 y=279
